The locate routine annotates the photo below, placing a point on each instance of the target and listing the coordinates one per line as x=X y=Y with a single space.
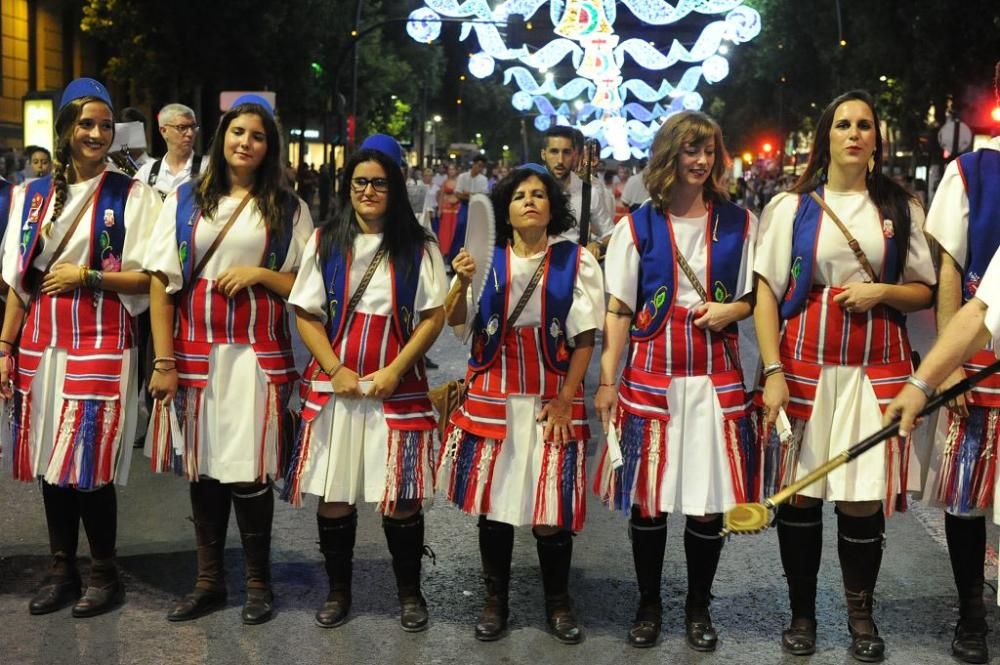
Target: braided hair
x=62 y=162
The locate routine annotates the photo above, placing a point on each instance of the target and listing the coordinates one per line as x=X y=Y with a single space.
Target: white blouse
x=835 y=263
x=309 y=291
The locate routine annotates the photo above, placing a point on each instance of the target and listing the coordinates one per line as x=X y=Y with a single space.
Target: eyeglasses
x=380 y=185
x=184 y=129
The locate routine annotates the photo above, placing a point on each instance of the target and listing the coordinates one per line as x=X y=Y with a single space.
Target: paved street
x=916 y=604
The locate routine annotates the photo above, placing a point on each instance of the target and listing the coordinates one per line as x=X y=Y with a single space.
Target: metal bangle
x=921 y=385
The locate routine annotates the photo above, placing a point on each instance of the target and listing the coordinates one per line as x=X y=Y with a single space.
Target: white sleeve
x=302 y=229
x=161 y=249
x=11 y=256
x=141 y=211
x=462 y=183
x=621 y=264
x=309 y=292
x=601 y=224
x=773 y=254
x=142 y=175
x=745 y=283
x=433 y=284
x=948 y=219
x=919 y=264
x=989 y=293
x=587 y=311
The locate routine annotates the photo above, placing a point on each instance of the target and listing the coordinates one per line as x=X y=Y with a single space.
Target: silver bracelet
x=773 y=368
x=921 y=385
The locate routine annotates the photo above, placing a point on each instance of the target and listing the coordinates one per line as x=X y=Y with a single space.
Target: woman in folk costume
x=449 y=208
x=831 y=328
x=369 y=303
x=515 y=449
x=223 y=256
x=962 y=476
x=679 y=274
x=73 y=263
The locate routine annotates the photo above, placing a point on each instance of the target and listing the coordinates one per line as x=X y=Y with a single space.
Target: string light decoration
x=622 y=113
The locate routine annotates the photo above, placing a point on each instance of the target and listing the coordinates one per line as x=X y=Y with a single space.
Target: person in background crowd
x=179 y=129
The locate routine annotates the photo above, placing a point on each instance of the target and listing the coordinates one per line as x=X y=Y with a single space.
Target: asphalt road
x=915 y=611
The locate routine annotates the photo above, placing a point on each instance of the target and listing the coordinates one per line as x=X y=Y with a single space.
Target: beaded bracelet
x=94 y=279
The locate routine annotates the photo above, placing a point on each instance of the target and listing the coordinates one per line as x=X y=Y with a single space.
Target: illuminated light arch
x=623 y=114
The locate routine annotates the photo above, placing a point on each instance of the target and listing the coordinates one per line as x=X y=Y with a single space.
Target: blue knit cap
x=534 y=166
x=85 y=87
x=253 y=99
x=387 y=145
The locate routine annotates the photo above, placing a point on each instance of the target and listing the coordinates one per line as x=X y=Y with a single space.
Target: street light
x=437 y=118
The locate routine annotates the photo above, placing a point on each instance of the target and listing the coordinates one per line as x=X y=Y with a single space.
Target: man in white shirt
x=634 y=192
x=472 y=181
x=178 y=127
x=559 y=154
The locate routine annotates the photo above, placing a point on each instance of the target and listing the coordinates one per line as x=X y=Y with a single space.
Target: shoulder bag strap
x=855 y=247
x=703 y=294
x=218 y=239
x=363 y=284
x=585 y=195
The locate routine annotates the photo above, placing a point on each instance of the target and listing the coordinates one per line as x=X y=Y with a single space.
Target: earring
x=871 y=164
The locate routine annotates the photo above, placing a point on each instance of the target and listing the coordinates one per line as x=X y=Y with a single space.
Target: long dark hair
x=402 y=234
x=561 y=219
x=269 y=190
x=62 y=162
x=892 y=201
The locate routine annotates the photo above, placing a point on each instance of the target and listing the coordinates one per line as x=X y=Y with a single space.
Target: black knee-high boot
x=336 y=541
x=860 y=542
x=496 y=548
x=702 y=548
x=649 y=540
x=253 y=504
x=555 y=554
x=405 y=538
x=62 y=516
x=967 y=550
x=800 y=540
x=210 y=506
x=99 y=512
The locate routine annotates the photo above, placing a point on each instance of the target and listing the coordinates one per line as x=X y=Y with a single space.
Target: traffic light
x=995 y=113
x=517 y=31
x=767 y=147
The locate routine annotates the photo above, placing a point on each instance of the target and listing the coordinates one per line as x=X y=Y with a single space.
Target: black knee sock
x=337 y=536
x=702 y=549
x=555 y=556
x=860 y=542
x=967 y=550
x=62 y=516
x=496 y=549
x=99 y=510
x=253 y=504
x=649 y=540
x=800 y=541
x=405 y=538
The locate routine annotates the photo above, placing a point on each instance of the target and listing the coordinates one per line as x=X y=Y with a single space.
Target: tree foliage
x=913 y=55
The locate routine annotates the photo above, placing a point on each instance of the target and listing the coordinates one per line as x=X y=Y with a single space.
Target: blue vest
x=805 y=235
x=337 y=269
x=980 y=172
x=6 y=190
x=658 y=268
x=107 y=226
x=558 y=283
x=186 y=225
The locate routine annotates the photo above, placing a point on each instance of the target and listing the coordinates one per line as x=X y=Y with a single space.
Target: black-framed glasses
x=380 y=185
x=184 y=129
